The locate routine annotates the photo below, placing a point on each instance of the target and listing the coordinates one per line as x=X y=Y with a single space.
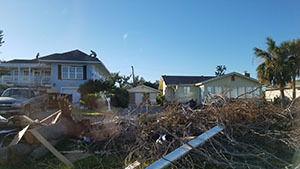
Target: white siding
x=153 y=98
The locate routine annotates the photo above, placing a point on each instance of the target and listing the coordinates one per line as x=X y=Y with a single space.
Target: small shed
x=141 y=94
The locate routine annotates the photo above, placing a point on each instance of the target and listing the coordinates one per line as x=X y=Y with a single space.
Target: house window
x=72 y=72
x=79 y=72
x=25 y=72
x=218 y=90
x=186 y=90
x=47 y=73
x=65 y=72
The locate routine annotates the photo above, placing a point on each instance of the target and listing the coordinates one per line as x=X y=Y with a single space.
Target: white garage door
x=73 y=92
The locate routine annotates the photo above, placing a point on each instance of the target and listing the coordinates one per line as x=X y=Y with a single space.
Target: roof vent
x=245 y=73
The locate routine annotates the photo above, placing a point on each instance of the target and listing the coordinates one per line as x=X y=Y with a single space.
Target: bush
x=90 y=101
x=120 y=98
x=89 y=93
x=3 y=87
x=160 y=99
x=95 y=86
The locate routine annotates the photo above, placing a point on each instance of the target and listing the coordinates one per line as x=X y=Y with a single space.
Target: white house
x=63 y=72
x=186 y=88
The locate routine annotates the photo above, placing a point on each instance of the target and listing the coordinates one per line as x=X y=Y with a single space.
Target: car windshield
x=16 y=93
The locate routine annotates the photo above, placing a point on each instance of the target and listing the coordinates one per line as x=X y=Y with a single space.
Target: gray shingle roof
x=22 y=61
x=75 y=55
x=178 y=80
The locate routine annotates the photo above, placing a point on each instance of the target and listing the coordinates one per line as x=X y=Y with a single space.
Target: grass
x=97 y=112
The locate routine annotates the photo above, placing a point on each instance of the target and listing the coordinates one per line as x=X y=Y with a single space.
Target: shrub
x=120 y=98
x=160 y=99
x=90 y=101
x=89 y=93
x=3 y=87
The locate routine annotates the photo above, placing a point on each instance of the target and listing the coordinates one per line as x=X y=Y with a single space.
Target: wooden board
x=50 y=116
x=133 y=165
x=19 y=136
x=56 y=118
x=51 y=148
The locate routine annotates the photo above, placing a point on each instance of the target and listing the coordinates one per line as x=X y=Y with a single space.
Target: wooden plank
x=56 y=118
x=184 y=149
x=19 y=136
x=51 y=148
x=45 y=119
x=133 y=165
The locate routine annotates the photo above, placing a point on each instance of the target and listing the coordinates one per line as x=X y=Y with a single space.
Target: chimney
x=245 y=73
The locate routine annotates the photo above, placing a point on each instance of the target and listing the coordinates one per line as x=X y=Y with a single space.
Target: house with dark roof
x=197 y=88
x=62 y=72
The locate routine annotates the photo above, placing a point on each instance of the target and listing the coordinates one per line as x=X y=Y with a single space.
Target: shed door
x=138 y=98
x=73 y=92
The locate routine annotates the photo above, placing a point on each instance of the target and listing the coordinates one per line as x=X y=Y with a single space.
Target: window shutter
x=59 y=72
x=84 y=72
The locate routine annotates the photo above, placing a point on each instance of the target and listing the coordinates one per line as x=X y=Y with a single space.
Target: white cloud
x=125 y=36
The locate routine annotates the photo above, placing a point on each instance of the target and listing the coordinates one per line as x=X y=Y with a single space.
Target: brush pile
x=257 y=135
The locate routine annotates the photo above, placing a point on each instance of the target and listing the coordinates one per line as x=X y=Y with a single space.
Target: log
x=51 y=148
x=62 y=129
x=65 y=127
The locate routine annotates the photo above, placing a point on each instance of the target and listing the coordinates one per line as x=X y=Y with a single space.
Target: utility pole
x=133 y=79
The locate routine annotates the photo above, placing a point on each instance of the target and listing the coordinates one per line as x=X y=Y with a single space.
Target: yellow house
x=185 y=88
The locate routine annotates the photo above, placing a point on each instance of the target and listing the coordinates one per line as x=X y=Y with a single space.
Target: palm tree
x=274 y=69
x=220 y=70
x=292 y=48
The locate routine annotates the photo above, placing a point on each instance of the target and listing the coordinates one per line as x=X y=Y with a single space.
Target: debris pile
x=257 y=135
x=40 y=136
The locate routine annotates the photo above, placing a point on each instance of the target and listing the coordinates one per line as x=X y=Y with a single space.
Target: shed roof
x=143 y=89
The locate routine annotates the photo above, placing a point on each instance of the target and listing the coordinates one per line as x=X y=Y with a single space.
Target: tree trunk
x=282 y=95
x=282 y=92
x=64 y=128
x=294 y=84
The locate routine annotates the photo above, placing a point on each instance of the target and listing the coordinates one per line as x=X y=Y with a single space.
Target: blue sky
x=157 y=37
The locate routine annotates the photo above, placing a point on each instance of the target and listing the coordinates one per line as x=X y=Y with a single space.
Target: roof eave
x=229 y=74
